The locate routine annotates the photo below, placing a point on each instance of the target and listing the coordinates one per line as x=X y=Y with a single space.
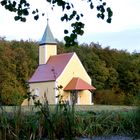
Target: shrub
x=109 y=97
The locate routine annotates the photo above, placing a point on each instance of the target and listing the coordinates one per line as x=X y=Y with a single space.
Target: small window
x=36 y=92
x=45 y=95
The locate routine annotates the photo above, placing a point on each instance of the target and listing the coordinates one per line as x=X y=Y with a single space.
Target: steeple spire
x=48 y=46
x=47 y=36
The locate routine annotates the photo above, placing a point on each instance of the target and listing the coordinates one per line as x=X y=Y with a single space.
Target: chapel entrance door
x=74 y=97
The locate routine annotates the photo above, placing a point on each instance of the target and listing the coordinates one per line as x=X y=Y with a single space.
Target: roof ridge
x=66 y=53
x=62 y=54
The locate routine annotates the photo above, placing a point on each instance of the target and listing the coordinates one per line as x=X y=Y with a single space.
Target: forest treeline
x=114 y=73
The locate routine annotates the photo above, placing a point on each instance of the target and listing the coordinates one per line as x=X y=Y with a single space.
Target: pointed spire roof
x=47 y=36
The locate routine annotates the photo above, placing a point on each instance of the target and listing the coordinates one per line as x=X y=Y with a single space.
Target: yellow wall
x=85 y=97
x=45 y=87
x=45 y=51
x=42 y=57
x=75 y=69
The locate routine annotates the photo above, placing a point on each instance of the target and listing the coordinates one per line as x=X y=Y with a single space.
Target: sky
x=122 y=34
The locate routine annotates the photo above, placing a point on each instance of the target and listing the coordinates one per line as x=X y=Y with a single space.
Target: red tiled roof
x=78 y=84
x=50 y=71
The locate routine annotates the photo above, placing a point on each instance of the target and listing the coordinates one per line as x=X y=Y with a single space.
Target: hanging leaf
x=16 y=18
x=36 y=17
x=23 y=19
x=66 y=31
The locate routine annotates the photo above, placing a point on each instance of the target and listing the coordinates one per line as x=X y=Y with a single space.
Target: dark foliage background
x=115 y=73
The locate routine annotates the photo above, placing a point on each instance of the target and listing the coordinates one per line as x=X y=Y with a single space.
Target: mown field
x=96 y=108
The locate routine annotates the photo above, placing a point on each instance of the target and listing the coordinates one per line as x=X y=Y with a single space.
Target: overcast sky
x=123 y=33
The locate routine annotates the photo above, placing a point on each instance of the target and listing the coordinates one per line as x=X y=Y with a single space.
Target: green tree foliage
x=115 y=74
x=12 y=91
x=18 y=60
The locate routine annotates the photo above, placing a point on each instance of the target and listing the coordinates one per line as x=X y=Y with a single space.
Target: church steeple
x=47 y=37
x=48 y=46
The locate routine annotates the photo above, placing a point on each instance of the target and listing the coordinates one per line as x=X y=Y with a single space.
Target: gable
x=74 y=68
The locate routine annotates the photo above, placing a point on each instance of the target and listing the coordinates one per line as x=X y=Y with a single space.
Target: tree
x=22 y=10
x=12 y=93
x=17 y=62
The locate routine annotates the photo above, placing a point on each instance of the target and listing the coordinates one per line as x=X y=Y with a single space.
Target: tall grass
x=64 y=122
x=106 y=123
x=16 y=125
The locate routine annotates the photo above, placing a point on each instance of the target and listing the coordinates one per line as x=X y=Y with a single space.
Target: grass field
x=95 y=108
x=30 y=123
x=104 y=108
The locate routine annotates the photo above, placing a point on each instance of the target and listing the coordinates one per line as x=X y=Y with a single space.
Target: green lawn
x=104 y=108
x=95 y=108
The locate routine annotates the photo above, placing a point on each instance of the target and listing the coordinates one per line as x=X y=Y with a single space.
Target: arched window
x=45 y=95
x=36 y=92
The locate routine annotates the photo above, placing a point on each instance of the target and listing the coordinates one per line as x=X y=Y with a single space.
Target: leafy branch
x=22 y=7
